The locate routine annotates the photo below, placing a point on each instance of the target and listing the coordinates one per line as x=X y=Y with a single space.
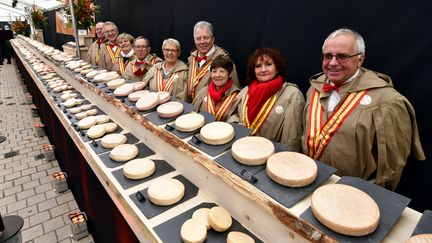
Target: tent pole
x=75 y=29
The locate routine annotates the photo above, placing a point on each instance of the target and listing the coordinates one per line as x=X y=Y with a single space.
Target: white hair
x=203 y=24
x=360 y=44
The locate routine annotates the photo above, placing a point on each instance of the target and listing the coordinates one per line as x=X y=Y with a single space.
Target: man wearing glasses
x=354 y=119
x=110 y=50
x=200 y=59
x=143 y=61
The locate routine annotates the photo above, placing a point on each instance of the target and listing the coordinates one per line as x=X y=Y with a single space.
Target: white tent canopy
x=8 y=13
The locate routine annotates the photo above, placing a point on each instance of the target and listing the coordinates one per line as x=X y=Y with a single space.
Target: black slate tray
x=214 y=150
x=169 y=231
x=150 y=210
x=157 y=120
x=162 y=168
x=390 y=204
x=172 y=128
x=424 y=226
x=98 y=148
x=143 y=151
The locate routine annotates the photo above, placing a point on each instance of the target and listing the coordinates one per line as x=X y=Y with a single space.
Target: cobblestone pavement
x=25 y=178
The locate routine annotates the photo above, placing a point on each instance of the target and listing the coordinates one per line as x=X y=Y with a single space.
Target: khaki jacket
x=376 y=137
x=91 y=53
x=128 y=74
x=178 y=89
x=200 y=101
x=206 y=78
x=105 y=61
x=284 y=123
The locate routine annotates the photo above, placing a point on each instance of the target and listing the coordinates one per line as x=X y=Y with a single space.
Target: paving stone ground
x=26 y=181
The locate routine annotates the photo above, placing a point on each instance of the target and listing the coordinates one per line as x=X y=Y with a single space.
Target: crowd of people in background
x=352 y=118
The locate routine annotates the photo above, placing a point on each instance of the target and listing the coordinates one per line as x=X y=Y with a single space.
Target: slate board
x=214 y=150
x=169 y=231
x=424 y=226
x=162 y=168
x=150 y=210
x=390 y=204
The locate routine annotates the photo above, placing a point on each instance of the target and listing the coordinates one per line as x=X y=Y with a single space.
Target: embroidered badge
x=279 y=109
x=366 y=100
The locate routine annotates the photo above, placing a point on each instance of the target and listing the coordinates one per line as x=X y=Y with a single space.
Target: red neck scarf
x=259 y=93
x=100 y=41
x=112 y=45
x=217 y=95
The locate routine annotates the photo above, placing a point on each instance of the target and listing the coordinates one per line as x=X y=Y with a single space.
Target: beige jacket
x=128 y=74
x=378 y=135
x=200 y=101
x=105 y=61
x=178 y=88
x=91 y=53
x=204 y=81
x=284 y=123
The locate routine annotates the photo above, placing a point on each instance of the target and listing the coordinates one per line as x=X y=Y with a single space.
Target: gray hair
x=203 y=24
x=112 y=24
x=173 y=42
x=360 y=44
x=142 y=38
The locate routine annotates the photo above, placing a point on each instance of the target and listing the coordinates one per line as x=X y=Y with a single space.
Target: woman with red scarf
x=270 y=106
x=218 y=98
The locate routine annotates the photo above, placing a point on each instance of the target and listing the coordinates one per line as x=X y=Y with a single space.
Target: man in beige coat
x=93 y=52
x=200 y=59
x=354 y=119
x=110 y=50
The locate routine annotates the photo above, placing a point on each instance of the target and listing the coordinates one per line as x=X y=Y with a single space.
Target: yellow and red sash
x=112 y=54
x=225 y=104
x=135 y=68
x=97 y=55
x=121 y=66
x=159 y=81
x=262 y=115
x=195 y=77
x=320 y=135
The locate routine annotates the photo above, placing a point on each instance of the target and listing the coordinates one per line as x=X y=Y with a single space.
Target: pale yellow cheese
x=165 y=192
x=75 y=110
x=219 y=219
x=124 y=89
x=193 y=231
x=114 y=84
x=112 y=140
x=189 y=122
x=110 y=127
x=239 y=237
x=96 y=131
x=134 y=96
x=81 y=115
x=170 y=109
x=124 y=152
x=139 y=168
x=147 y=101
x=345 y=209
x=291 y=169
x=421 y=238
x=87 y=122
x=217 y=133
x=201 y=215
x=70 y=103
x=252 y=150
x=100 y=119
x=164 y=96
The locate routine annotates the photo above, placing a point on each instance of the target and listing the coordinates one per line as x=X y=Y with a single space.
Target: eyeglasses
x=141 y=47
x=339 y=57
x=169 y=50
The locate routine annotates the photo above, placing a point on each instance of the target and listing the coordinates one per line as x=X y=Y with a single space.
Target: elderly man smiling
x=93 y=53
x=110 y=50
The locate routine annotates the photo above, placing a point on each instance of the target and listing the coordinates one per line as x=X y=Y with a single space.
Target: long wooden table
x=260 y=214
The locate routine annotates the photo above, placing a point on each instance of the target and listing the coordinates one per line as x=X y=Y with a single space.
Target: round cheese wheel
x=139 y=169
x=72 y=95
x=134 y=96
x=291 y=169
x=124 y=90
x=166 y=191
x=147 y=101
x=100 y=119
x=124 y=152
x=77 y=70
x=193 y=231
x=57 y=89
x=86 y=71
x=112 y=140
x=86 y=107
x=87 y=122
x=100 y=77
x=345 y=209
x=73 y=65
x=239 y=237
x=217 y=133
x=91 y=74
x=84 y=63
x=75 y=110
x=252 y=150
x=114 y=84
x=201 y=215
x=189 y=122
x=70 y=103
x=96 y=131
x=92 y=112
x=110 y=127
x=64 y=97
x=164 y=96
x=81 y=115
x=86 y=66
x=79 y=101
x=219 y=219
x=139 y=86
x=421 y=238
x=170 y=109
